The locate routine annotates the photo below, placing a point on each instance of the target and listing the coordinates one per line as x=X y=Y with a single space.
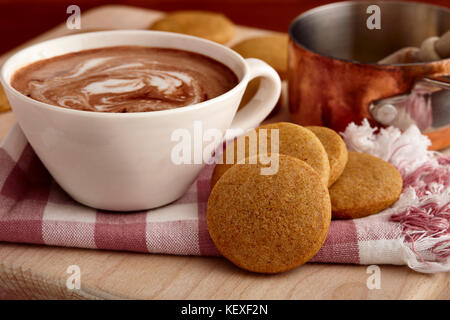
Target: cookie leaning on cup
x=209 y=25
x=294 y=140
x=269 y=223
x=367 y=186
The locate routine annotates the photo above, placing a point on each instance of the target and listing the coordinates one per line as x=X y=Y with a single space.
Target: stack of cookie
x=273 y=223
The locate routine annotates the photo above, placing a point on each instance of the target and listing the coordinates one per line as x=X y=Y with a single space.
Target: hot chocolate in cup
x=125 y=161
x=125 y=79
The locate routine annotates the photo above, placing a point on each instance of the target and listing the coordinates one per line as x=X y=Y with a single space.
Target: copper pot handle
x=427 y=105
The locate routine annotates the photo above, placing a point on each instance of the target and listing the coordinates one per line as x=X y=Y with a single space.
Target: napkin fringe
x=425 y=225
x=423 y=210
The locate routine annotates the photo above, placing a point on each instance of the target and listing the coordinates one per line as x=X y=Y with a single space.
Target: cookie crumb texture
x=269 y=223
x=367 y=186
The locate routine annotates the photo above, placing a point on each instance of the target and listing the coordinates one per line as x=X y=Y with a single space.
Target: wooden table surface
x=30 y=271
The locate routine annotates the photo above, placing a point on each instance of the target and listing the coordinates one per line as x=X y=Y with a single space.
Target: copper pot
x=333 y=77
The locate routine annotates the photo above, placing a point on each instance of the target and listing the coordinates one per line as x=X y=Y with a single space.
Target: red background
x=21 y=20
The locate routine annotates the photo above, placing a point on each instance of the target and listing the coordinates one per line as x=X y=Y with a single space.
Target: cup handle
x=265 y=99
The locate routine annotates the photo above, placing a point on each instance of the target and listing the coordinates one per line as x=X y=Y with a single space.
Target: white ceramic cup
x=122 y=161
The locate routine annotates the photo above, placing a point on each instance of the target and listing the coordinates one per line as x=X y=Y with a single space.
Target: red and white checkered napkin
x=34 y=209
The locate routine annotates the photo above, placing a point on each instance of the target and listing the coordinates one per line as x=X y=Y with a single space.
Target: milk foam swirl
x=124 y=79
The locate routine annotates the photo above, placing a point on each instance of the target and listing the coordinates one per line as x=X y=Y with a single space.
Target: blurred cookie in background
x=250 y=92
x=209 y=25
x=272 y=49
x=4 y=104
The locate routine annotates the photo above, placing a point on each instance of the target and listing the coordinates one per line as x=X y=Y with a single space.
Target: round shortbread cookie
x=367 y=186
x=269 y=223
x=203 y=24
x=335 y=148
x=272 y=49
x=293 y=140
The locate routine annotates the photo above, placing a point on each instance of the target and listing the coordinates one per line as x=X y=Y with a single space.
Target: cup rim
x=7 y=83
x=363 y=2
